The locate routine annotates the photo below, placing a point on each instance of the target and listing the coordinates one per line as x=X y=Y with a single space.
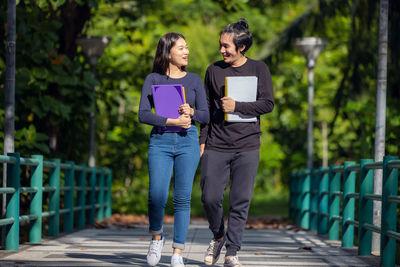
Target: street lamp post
x=310 y=47
x=93 y=47
x=380 y=119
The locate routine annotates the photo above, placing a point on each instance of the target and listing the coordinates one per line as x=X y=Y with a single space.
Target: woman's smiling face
x=178 y=55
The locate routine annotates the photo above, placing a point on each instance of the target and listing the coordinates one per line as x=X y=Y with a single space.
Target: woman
x=178 y=151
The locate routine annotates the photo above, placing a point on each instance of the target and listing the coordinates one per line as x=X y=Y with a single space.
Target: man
x=231 y=149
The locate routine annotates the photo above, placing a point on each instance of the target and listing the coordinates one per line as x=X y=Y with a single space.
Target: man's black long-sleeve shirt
x=225 y=136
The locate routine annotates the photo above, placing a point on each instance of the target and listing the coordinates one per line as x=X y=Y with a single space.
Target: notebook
x=241 y=89
x=167 y=100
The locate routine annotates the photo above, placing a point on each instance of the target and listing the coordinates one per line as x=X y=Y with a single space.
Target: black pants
x=216 y=169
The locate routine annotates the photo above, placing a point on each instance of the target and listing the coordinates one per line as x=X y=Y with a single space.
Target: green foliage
x=54 y=84
x=345 y=83
x=29 y=140
x=51 y=90
x=135 y=28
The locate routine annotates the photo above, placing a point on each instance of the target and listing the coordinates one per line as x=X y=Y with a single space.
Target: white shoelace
x=235 y=259
x=155 y=246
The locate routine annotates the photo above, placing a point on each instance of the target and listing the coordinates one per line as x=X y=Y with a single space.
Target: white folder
x=242 y=89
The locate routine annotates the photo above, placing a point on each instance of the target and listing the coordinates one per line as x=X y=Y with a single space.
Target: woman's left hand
x=186 y=110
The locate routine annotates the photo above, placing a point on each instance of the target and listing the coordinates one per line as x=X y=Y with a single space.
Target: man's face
x=228 y=49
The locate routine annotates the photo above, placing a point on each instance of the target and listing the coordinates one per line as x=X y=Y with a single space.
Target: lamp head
x=310 y=47
x=93 y=46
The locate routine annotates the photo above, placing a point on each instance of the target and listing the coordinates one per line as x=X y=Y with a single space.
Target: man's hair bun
x=243 y=22
x=241 y=34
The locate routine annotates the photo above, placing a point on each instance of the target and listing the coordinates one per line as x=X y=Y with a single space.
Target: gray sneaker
x=213 y=251
x=232 y=261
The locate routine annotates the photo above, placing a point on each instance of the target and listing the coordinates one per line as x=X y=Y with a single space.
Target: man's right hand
x=202 y=147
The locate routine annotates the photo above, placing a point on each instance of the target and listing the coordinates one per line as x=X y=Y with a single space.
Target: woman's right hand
x=183 y=121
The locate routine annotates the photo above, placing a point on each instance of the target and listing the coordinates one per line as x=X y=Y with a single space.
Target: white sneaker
x=154 y=253
x=177 y=260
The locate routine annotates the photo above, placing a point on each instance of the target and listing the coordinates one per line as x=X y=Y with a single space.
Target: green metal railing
x=318 y=203
x=88 y=187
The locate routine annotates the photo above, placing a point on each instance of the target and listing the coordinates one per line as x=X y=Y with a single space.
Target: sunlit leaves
x=28 y=139
x=54 y=91
x=39 y=72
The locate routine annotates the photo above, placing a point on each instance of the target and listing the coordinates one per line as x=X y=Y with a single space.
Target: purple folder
x=167 y=100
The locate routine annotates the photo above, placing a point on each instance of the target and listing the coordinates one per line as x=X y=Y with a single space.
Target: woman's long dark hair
x=161 y=60
x=241 y=34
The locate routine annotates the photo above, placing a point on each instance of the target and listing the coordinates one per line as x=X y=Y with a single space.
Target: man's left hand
x=228 y=104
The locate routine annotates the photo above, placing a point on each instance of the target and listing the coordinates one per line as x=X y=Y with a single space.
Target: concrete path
x=128 y=247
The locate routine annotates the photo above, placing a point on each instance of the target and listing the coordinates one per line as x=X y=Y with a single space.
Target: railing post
x=305 y=196
x=313 y=200
x=36 y=206
x=108 y=195
x=389 y=212
x=334 y=203
x=292 y=200
x=365 y=208
x=349 y=187
x=290 y=195
x=100 y=211
x=299 y=182
x=81 y=197
x=13 y=180
x=92 y=195
x=323 y=201
x=69 y=198
x=54 y=206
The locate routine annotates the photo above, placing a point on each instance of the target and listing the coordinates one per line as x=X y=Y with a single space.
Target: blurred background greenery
x=53 y=82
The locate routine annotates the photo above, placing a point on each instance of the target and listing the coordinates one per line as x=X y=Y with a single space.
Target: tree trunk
x=73 y=18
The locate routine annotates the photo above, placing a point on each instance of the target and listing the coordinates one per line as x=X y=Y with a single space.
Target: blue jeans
x=179 y=152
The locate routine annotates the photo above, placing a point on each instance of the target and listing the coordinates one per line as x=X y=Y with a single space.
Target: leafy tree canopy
x=54 y=81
